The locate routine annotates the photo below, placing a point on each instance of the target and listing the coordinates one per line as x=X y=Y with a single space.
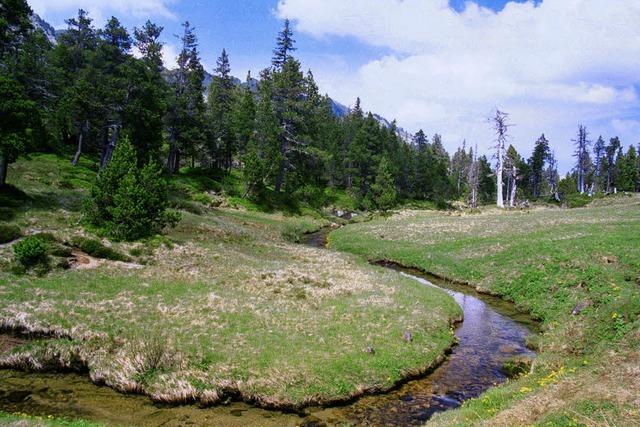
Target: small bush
x=577 y=200
x=9 y=233
x=6 y=214
x=31 y=251
x=516 y=366
x=293 y=232
x=96 y=249
x=128 y=203
x=187 y=206
x=12 y=197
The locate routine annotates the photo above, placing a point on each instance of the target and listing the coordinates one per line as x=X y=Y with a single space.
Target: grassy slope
x=22 y=420
x=224 y=306
x=546 y=261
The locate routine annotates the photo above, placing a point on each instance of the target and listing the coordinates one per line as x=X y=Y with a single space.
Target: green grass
x=222 y=304
x=24 y=420
x=546 y=261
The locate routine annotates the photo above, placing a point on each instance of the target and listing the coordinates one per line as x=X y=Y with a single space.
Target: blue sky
x=432 y=64
x=246 y=28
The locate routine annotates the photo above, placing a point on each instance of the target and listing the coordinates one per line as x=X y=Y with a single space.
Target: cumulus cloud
x=551 y=64
x=99 y=9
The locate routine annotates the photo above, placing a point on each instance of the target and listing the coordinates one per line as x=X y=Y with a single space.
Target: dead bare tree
x=474 y=178
x=501 y=126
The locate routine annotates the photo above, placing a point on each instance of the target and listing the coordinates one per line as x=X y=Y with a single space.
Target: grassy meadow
x=223 y=306
x=551 y=263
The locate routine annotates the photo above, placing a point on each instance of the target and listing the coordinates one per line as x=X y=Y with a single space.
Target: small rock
x=580 y=307
x=370 y=350
x=407 y=336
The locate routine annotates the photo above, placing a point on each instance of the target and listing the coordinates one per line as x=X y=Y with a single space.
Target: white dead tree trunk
x=474 y=179
x=514 y=185
x=501 y=126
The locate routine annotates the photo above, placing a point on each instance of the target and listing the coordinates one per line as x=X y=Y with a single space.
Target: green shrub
x=128 y=203
x=293 y=231
x=9 y=233
x=96 y=249
x=577 y=200
x=312 y=195
x=6 y=214
x=11 y=196
x=187 y=206
x=31 y=251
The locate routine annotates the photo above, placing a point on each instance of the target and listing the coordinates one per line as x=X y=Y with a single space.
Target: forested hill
x=81 y=92
x=339 y=109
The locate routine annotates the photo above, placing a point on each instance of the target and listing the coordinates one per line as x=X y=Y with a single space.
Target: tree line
x=87 y=94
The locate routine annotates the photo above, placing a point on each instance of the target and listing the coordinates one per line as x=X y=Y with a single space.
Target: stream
x=492 y=331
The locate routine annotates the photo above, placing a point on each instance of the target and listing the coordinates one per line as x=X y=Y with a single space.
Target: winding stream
x=492 y=331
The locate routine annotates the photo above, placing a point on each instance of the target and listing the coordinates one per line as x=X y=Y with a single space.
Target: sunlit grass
x=222 y=305
x=547 y=261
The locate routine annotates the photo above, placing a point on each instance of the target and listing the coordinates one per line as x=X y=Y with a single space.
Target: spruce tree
x=220 y=103
x=599 y=164
x=383 y=190
x=185 y=107
x=243 y=116
x=19 y=115
x=128 y=203
x=628 y=170
x=581 y=155
x=285 y=45
x=536 y=165
x=148 y=91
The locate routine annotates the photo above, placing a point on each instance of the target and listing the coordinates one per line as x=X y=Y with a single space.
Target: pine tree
x=460 y=163
x=128 y=203
x=420 y=141
x=15 y=24
x=80 y=107
x=599 y=164
x=536 y=165
x=513 y=160
x=289 y=105
x=220 y=104
x=148 y=91
x=581 y=155
x=628 y=170
x=18 y=117
x=552 y=176
x=112 y=57
x=243 y=116
x=185 y=114
x=383 y=189
x=487 y=189
x=19 y=114
x=613 y=148
x=285 y=45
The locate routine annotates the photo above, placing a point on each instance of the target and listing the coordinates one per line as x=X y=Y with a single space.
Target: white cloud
x=552 y=65
x=170 y=56
x=101 y=9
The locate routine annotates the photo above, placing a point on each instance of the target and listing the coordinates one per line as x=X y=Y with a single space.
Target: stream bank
x=493 y=332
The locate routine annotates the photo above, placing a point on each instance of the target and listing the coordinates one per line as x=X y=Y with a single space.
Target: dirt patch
x=8 y=342
x=82 y=261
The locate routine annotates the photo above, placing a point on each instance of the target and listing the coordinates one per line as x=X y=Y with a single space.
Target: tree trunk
x=499 y=183
x=109 y=147
x=4 y=166
x=173 y=160
x=514 y=188
x=280 y=178
x=76 y=157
